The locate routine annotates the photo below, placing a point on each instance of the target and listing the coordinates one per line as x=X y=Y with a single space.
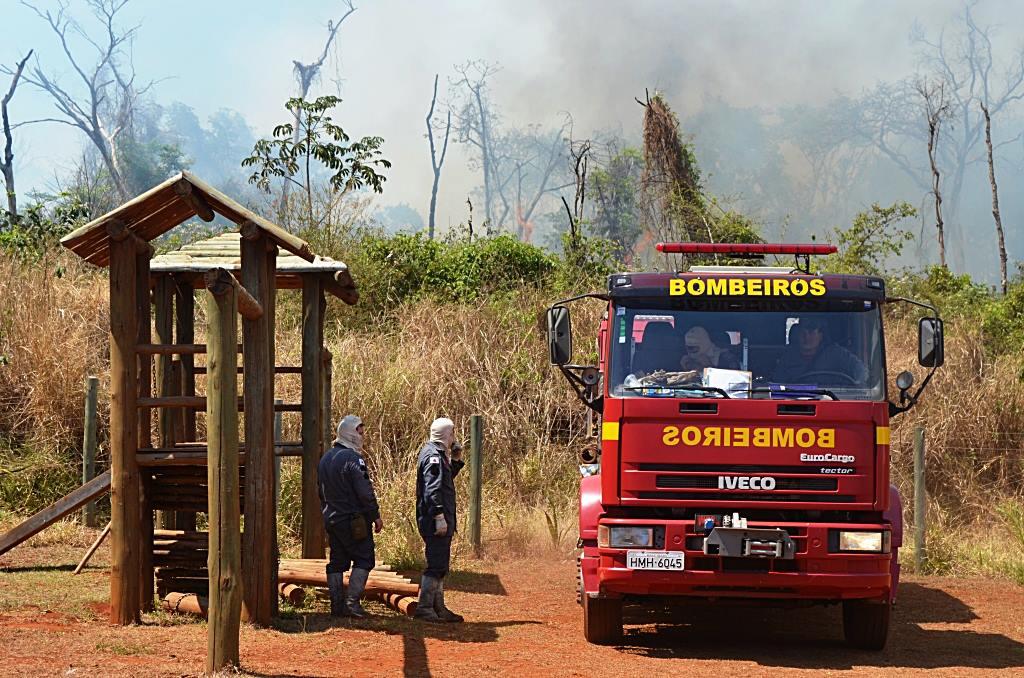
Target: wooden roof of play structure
x=163 y=207
x=224 y=251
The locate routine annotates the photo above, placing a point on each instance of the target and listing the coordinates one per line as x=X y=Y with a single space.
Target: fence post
x=476 y=443
x=920 y=499
x=92 y=385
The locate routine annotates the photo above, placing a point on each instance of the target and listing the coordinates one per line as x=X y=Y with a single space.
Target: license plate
x=654 y=560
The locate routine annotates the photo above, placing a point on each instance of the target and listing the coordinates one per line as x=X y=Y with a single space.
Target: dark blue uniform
x=345 y=492
x=435 y=495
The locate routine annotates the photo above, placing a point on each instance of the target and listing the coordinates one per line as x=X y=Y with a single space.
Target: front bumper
x=813 y=573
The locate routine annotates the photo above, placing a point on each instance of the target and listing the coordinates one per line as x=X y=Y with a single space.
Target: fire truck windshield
x=743 y=349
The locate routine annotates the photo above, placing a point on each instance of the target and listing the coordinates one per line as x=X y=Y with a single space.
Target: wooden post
x=278 y=433
x=224 y=559
x=124 y=471
x=144 y=335
x=92 y=385
x=312 y=429
x=163 y=321
x=326 y=375
x=920 y=500
x=476 y=443
x=184 y=330
x=260 y=572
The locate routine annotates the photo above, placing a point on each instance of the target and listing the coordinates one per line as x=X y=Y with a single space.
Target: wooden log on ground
x=186 y=603
x=126 y=543
x=373 y=584
x=400 y=603
x=296 y=595
x=222 y=431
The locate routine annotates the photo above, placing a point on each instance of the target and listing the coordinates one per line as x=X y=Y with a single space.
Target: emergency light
x=743 y=249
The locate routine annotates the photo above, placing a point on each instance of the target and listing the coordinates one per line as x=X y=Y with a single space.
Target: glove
x=440 y=526
x=456 y=452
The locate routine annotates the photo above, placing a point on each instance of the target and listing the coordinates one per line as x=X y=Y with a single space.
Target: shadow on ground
x=812 y=638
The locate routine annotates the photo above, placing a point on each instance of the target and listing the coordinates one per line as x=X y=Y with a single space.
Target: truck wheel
x=866 y=623
x=602 y=620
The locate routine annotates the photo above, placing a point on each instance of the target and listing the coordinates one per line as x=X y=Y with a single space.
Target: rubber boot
x=356 y=586
x=428 y=593
x=336 y=590
x=442 y=612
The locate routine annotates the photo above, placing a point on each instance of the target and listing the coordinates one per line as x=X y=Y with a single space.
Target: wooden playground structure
x=163 y=472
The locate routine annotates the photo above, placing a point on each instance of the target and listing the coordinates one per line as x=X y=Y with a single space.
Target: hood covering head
x=442 y=431
x=347 y=433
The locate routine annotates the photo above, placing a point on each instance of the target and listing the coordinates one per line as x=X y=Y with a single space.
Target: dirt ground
x=522 y=620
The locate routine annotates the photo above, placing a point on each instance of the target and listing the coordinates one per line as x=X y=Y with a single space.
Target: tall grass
x=488 y=357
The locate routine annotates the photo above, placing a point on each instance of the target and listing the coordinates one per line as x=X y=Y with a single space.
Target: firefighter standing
x=440 y=460
x=349 y=505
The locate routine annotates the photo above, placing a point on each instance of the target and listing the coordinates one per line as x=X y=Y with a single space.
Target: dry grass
x=484 y=358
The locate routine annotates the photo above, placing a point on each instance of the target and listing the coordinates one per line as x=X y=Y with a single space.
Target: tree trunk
x=933 y=132
x=995 y=198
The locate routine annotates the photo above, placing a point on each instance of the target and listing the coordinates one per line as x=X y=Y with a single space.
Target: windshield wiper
x=797 y=391
x=695 y=387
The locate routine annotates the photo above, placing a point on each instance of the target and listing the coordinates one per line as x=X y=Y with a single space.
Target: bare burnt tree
x=105 y=108
x=307 y=74
x=995 y=196
x=436 y=162
x=7 y=164
x=533 y=158
x=475 y=121
x=936 y=109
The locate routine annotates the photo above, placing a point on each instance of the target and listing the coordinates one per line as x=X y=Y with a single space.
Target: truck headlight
x=867 y=542
x=625 y=537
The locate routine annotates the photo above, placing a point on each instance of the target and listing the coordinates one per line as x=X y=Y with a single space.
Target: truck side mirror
x=559 y=335
x=930 y=350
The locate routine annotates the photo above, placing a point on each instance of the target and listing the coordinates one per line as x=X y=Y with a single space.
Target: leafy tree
x=614 y=187
x=873 y=237
x=316 y=140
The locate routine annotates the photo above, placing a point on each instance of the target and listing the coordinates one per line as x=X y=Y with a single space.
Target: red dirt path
x=524 y=621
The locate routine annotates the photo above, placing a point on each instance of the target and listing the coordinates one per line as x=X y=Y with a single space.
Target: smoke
x=588 y=58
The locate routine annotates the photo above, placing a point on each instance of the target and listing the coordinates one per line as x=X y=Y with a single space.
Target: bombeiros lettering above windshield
x=749 y=436
x=742 y=287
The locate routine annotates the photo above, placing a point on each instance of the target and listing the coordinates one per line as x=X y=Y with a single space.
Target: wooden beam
x=124 y=497
x=184 y=330
x=350 y=295
x=163 y=322
x=225 y=556
x=312 y=429
x=55 y=511
x=144 y=335
x=344 y=278
x=259 y=540
x=119 y=231
x=183 y=189
x=220 y=278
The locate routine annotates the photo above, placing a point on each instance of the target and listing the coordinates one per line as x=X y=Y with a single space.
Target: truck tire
x=602 y=620
x=866 y=623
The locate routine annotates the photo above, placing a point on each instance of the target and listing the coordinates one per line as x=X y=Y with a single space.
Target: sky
x=587 y=58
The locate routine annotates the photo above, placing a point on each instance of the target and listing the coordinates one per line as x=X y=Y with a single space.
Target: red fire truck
x=744 y=439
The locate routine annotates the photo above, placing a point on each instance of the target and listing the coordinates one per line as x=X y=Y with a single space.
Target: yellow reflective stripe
x=882 y=435
x=610 y=430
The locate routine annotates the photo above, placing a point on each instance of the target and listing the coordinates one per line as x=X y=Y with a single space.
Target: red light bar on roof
x=742 y=248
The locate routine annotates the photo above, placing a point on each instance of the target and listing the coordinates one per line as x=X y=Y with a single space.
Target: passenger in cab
x=702 y=352
x=813 y=357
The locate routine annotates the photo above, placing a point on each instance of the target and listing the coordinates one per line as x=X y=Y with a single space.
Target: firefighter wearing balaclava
x=349 y=506
x=440 y=460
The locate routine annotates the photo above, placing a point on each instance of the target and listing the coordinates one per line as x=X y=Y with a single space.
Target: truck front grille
x=711 y=483
x=748 y=496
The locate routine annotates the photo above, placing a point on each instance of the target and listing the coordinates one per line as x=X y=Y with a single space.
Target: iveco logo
x=746 y=483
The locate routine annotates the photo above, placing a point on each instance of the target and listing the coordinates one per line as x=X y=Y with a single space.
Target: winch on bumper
x=780 y=561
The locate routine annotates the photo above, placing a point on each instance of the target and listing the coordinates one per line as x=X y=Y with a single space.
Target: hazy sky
x=589 y=58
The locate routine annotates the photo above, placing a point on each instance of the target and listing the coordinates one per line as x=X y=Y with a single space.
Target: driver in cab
x=813 y=357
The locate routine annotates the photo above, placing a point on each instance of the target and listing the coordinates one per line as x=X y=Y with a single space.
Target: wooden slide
x=93 y=489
